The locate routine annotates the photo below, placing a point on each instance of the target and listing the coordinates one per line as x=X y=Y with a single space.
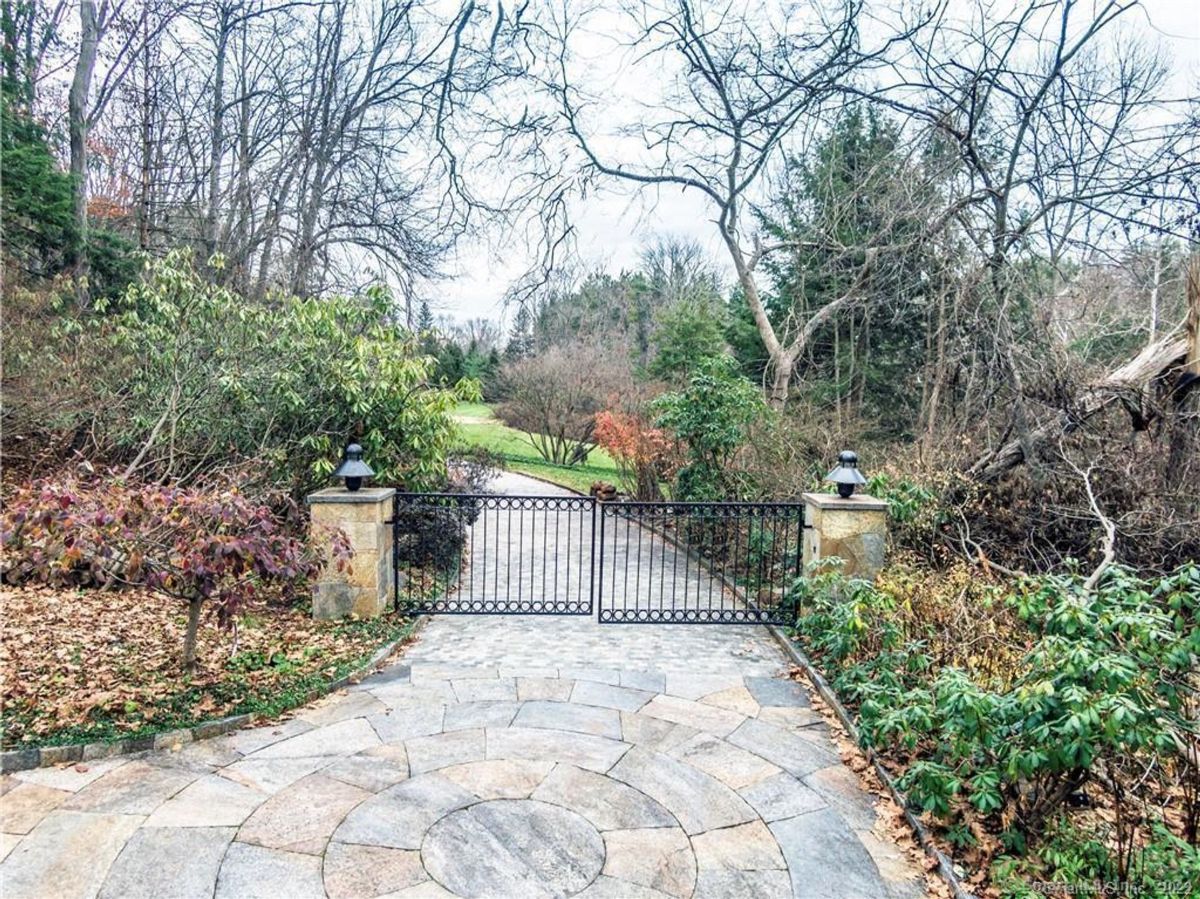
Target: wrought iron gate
x=626 y=562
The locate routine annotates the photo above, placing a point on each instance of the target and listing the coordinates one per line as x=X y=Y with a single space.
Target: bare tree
x=31 y=32
x=742 y=85
x=554 y=397
x=307 y=144
x=1058 y=137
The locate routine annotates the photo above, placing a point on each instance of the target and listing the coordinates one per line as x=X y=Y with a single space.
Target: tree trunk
x=776 y=361
x=77 y=110
x=146 y=162
x=1186 y=412
x=306 y=246
x=929 y=407
x=195 y=607
x=781 y=380
x=217 y=134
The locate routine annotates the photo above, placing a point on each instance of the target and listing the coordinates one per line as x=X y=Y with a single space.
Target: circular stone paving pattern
x=435 y=783
x=513 y=847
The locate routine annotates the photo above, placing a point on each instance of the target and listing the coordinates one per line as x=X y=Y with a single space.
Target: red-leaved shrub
x=200 y=546
x=643 y=454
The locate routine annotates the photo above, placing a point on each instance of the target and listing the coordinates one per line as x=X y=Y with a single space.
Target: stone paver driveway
x=502 y=757
x=428 y=780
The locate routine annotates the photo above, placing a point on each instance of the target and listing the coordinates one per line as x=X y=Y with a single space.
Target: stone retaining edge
x=43 y=756
x=945 y=866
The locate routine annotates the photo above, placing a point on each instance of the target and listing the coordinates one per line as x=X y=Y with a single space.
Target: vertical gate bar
x=799 y=549
x=625 y=585
x=685 y=516
x=768 y=518
x=712 y=540
x=570 y=515
x=592 y=563
x=508 y=556
x=545 y=548
x=637 y=581
x=725 y=516
x=483 y=545
x=557 y=527
x=411 y=586
x=762 y=536
x=756 y=529
x=614 y=564
x=737 y=542
x=396 y=552
x=579 y=556
x=766 y=553
x=495 y=598
x=464 y=513
x=520 y=554
x=600 y=567
x=441 y=509
x=780 y=569
x=663 y=564
x=679 y=532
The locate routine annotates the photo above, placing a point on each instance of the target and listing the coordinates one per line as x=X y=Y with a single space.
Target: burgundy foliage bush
x=212 y=547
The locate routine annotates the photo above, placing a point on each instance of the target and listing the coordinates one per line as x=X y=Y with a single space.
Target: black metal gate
x=626 y=562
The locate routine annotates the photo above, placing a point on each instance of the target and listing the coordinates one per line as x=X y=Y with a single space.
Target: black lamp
x=353 y=468
x=846 y=475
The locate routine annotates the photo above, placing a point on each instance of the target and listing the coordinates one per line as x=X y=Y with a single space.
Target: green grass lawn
x=473 y=410
x=480 y=428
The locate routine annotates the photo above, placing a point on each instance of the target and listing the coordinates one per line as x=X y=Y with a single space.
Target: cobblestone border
x=945 y=866
x=44 y=756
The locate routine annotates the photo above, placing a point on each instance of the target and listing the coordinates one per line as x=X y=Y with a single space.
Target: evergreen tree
x=854 y=192
x=424 y=318
x=37 y=207
x=520 y=340
x=39 y=226
x=688 y=333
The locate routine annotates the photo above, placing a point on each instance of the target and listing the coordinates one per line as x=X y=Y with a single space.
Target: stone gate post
x=363 y=591
x=853 y=529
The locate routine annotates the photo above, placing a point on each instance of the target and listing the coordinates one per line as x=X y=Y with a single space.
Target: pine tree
x=520 y=340
x=424 y=318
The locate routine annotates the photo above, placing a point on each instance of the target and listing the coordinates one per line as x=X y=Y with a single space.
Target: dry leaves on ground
x=86 y=659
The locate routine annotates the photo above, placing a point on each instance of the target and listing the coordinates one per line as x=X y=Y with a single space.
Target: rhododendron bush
x=644 y=454
x=213 y=548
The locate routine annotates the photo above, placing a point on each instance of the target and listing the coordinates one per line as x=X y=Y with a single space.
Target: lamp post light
x=353 y=469
x=846 y=475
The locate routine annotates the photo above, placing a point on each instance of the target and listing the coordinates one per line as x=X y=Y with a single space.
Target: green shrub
x=1164 y=867
x=711 y=416
x=1104 y=678
x=198 y=378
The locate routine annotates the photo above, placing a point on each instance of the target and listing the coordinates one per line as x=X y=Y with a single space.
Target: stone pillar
x=854 y=530
x=365 y=590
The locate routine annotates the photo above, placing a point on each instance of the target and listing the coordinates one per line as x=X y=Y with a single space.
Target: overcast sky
x=614 y=224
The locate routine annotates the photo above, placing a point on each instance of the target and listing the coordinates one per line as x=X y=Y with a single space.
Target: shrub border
x=43 y=756
x=945 y=866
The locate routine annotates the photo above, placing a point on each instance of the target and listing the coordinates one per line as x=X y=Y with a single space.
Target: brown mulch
x=96 y=664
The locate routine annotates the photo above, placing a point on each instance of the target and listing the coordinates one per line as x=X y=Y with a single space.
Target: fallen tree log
x=1125 y=385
